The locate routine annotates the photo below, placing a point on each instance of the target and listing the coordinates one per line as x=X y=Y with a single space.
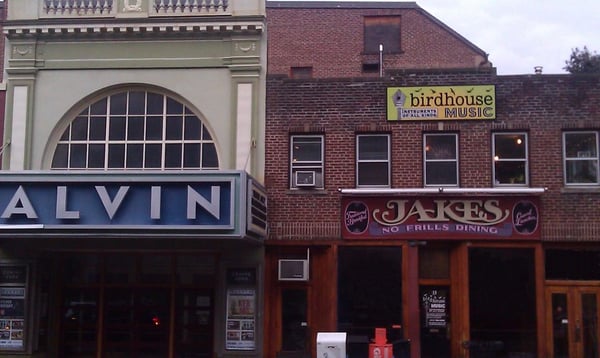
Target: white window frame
x=443 y=160
x=581 y=156
x=316 y=165
x=360 y=160
x=497 y=159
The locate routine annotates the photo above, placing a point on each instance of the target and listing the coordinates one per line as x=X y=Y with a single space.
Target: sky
x=521 y=34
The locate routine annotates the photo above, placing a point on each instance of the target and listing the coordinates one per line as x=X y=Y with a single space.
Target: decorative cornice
x=133 y=28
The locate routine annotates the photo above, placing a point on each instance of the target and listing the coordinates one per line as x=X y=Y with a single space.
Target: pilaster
x=21 y=74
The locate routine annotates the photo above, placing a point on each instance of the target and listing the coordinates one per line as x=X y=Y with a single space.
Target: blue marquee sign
x=132 y=201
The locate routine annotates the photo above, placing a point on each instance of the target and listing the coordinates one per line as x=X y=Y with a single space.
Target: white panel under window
x=19 y=128
x=244 y=126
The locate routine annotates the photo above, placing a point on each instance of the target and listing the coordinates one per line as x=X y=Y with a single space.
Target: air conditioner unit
x=293 y=270
x=305 y=178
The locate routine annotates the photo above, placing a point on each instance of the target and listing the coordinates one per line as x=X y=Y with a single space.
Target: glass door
x=136 y=306
x=136 y=322
x=435 y=319
x=573 y=325
x=434 y=301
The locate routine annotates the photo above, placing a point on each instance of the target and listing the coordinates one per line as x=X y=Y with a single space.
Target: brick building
x=332 y=39
x=451 y=206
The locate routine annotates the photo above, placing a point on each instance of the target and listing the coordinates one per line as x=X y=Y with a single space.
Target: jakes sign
x=443 y=218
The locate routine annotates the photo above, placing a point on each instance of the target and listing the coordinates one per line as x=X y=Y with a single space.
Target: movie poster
x=12 y=306
x=241 y=319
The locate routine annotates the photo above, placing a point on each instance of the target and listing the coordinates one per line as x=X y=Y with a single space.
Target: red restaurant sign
x=440 y=217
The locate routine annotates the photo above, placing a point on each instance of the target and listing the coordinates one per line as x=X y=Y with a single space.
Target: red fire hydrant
x=380 y=348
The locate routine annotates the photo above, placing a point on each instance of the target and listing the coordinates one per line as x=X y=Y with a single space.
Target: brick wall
x=331 y=41
x=542 y=105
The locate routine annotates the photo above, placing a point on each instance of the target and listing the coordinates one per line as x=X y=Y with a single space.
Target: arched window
x=136 y=130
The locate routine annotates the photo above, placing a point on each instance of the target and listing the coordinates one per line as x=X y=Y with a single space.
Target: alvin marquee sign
x=444 y=218
x=215 y=203
x=441 y=103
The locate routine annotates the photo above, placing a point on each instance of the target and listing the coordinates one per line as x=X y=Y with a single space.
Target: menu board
x=241 y=319
x=13 y=281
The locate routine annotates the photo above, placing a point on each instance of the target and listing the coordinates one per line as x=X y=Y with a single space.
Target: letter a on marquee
x=25 y=206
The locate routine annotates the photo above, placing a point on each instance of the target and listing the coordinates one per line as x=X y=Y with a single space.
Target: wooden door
x=573 y=315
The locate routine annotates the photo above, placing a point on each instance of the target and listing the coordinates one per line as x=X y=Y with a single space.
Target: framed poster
x=13 y=288
x=434 y=303
x=241 y=319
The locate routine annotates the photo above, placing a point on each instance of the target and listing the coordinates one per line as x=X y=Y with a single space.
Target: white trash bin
x=331 y=345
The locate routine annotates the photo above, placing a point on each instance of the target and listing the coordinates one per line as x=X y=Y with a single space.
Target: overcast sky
x=521 y=34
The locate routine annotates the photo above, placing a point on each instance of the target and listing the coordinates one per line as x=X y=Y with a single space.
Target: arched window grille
x=136 y=130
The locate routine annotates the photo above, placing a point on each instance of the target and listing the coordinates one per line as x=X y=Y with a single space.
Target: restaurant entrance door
x=435 y=321
x=573 y=316
x=434 y=300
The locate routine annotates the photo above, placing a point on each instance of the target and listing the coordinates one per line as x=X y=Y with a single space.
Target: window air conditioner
x=293 y=270
x=305 y=178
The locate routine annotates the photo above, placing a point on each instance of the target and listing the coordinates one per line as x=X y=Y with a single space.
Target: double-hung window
x=373 y=160
x=306 y=156
x=580 y=152
x=441 y=159
x=510 y=159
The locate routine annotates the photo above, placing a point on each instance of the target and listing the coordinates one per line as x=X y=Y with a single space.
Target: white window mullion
x=106 y=131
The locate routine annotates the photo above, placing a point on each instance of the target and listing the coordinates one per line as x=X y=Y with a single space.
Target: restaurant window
x=502 y=309
x=510 y=158
x=306 y=156
x=441 y=159
x=136 y=130
x=580 y=153
x=382 y=30
x=373 y=160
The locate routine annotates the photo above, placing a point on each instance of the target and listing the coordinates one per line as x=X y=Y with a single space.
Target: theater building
x=454 y=207
x=133 y=208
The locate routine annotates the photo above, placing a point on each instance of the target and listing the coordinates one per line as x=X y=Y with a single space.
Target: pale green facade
x=213 y=61
x=62 y=56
